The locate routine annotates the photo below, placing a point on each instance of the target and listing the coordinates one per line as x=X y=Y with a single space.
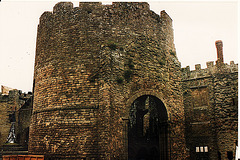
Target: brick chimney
x=219 y=46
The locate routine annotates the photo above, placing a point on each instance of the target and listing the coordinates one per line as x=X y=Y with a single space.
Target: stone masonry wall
x=24 y=115
x=4 y=120
x=210 y=101
x=92 y=62
x=226 y=92
x=9 y=105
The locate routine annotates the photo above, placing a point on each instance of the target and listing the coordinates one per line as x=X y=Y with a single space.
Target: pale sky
x=197 y=25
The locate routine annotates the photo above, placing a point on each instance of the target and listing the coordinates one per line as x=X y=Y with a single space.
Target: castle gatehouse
x=108 y=85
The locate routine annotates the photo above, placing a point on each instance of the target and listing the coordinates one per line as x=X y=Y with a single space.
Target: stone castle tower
x=107 y=84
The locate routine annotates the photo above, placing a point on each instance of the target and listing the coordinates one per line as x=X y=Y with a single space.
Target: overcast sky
x=197 y=25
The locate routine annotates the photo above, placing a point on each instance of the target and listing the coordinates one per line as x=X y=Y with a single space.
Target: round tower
x=94 y=65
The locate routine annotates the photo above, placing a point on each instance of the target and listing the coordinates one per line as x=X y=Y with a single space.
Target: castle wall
x=4 y=121
x=92 y=61
x=210 y=100
x=10 y=104
x=24 y=115
x=226 y=102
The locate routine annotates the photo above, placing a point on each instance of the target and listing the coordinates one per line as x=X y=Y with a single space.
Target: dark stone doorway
x=147 y=129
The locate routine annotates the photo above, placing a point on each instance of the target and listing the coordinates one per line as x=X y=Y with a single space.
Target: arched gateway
x=147 y=129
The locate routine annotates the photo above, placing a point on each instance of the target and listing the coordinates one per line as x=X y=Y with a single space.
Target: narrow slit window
x=197 y=149
x=206 y=149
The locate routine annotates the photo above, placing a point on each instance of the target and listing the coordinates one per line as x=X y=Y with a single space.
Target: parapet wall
x=63 y=10
x=15 y=94
x=211 y=69
x=100 y=20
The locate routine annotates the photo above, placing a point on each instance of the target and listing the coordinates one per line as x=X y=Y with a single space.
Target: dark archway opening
x=147 y=129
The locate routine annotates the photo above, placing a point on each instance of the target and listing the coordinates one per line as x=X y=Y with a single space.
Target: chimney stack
x=219 y=46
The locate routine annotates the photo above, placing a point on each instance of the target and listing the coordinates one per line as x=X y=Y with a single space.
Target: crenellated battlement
x=62 y=7
x=46 y=17
x=9 y=93
x=67 y=25
x=219 y=68
x=63 y=10
x=211 y=69
x=165 y=17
